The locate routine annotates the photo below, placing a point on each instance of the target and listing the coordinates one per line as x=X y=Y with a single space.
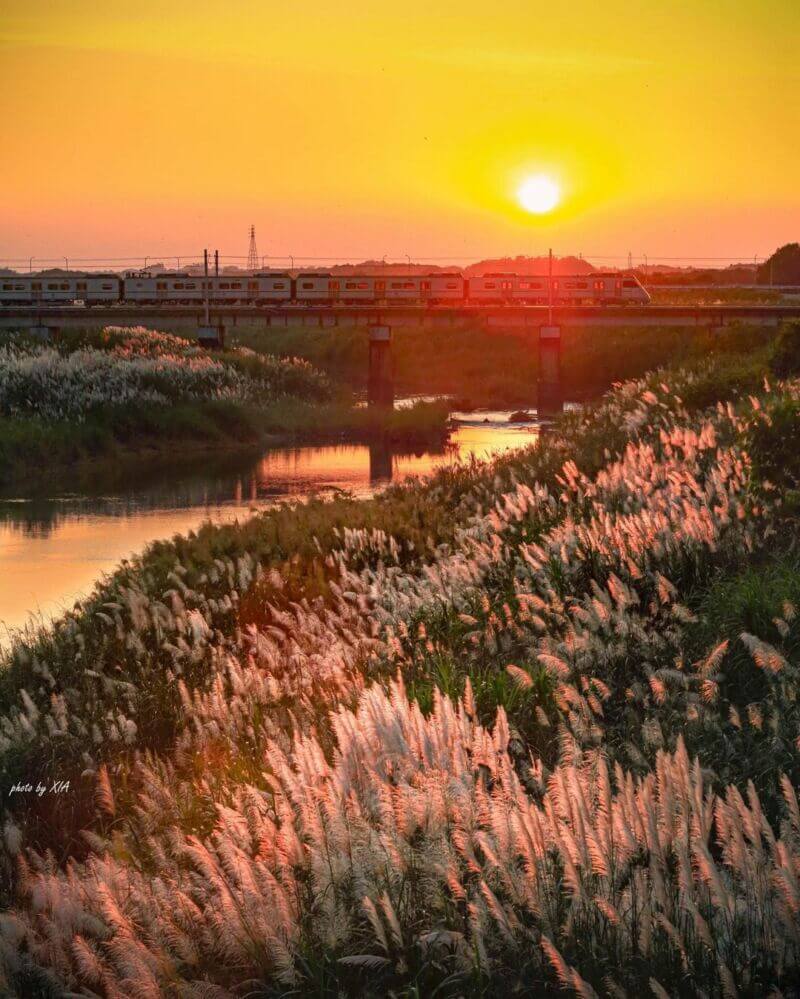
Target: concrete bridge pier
x=380 y=386
x=550 y=393
x=211 y=337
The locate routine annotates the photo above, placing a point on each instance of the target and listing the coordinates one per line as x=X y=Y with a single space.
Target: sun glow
x=539 y=194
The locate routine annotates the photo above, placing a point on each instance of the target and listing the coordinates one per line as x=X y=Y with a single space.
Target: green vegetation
x=785 y=355
x=454 y=361
x=783 y=267
x=719 y=295
x=108 y=393
x=527 y=727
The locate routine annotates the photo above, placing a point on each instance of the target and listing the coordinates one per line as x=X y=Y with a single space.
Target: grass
x=453 y=361
x=664 y=295
x=175 y=397
x=488 y=734
x=33 y=452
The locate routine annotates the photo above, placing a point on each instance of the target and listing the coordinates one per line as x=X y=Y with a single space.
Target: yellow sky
x=368 y=128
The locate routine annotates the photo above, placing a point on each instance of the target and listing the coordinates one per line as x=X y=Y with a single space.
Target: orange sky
x=356 y=128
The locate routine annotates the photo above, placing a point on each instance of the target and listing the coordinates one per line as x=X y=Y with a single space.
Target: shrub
x=140 y=366
x=785 y=359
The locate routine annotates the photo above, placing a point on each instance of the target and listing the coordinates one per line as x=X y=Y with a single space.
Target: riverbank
x=34 y=453
x=59 y=538
x=122 y=394
x=499 y=368
x=490 y=733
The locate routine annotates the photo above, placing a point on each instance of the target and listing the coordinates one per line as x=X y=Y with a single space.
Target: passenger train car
x=31 y=289
x=613 y=288
x=321 y=288
x=350 y=289
x=146 y=288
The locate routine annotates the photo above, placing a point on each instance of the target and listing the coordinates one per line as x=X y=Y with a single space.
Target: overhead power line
x=254 y=260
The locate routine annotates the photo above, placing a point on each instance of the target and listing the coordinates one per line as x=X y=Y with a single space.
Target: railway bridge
x=317 y=316
x=543 y=323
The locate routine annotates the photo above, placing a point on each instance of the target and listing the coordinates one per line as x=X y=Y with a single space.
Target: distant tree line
x=783 y=267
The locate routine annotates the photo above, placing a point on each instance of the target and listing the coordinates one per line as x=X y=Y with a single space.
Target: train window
x=105 y=287
x=52 y=287
x=81 y=286
x=64 y=286
x=629 y=284
x=8 y=287
x=161 y=285
x=489 y=284
x=349 y=284
x=310 y=284
x=451 y=284
x=598 y=286
x=224 y=285
x=236 y=284
x=192 y=285
x=177 y=285
x=279 y=286
x=37 y=286
x=363 y=284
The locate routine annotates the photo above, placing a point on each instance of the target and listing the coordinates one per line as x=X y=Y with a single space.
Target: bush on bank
x=141 y=368
x=785 y=356
x=529 y=726
x=92 y=394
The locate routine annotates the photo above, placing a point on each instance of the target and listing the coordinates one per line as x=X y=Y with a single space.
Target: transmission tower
x=252 y=253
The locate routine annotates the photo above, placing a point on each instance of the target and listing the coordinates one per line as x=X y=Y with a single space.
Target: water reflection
x=53 y=547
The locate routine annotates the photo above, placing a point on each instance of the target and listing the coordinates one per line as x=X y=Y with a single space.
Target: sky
x=347 y=128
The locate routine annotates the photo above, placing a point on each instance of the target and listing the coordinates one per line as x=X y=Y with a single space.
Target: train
x=320 y=288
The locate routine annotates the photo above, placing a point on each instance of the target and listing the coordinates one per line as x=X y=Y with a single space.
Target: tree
x=783 y=267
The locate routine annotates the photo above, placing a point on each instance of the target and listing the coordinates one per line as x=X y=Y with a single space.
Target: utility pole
x=208 y=336
x=216 y=263
x=30 y=265
x=205 y=283
x=630 y=261
x=550 y=290
x=66 y=263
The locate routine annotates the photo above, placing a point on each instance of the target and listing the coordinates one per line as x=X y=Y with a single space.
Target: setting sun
x=539 y=194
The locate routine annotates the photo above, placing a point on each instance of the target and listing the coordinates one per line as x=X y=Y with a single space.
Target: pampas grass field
x=530 y=727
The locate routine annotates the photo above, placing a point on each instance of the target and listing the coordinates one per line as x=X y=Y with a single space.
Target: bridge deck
x=500 y=316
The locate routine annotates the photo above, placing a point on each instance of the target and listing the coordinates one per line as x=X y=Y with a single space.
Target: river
x=55 y=546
